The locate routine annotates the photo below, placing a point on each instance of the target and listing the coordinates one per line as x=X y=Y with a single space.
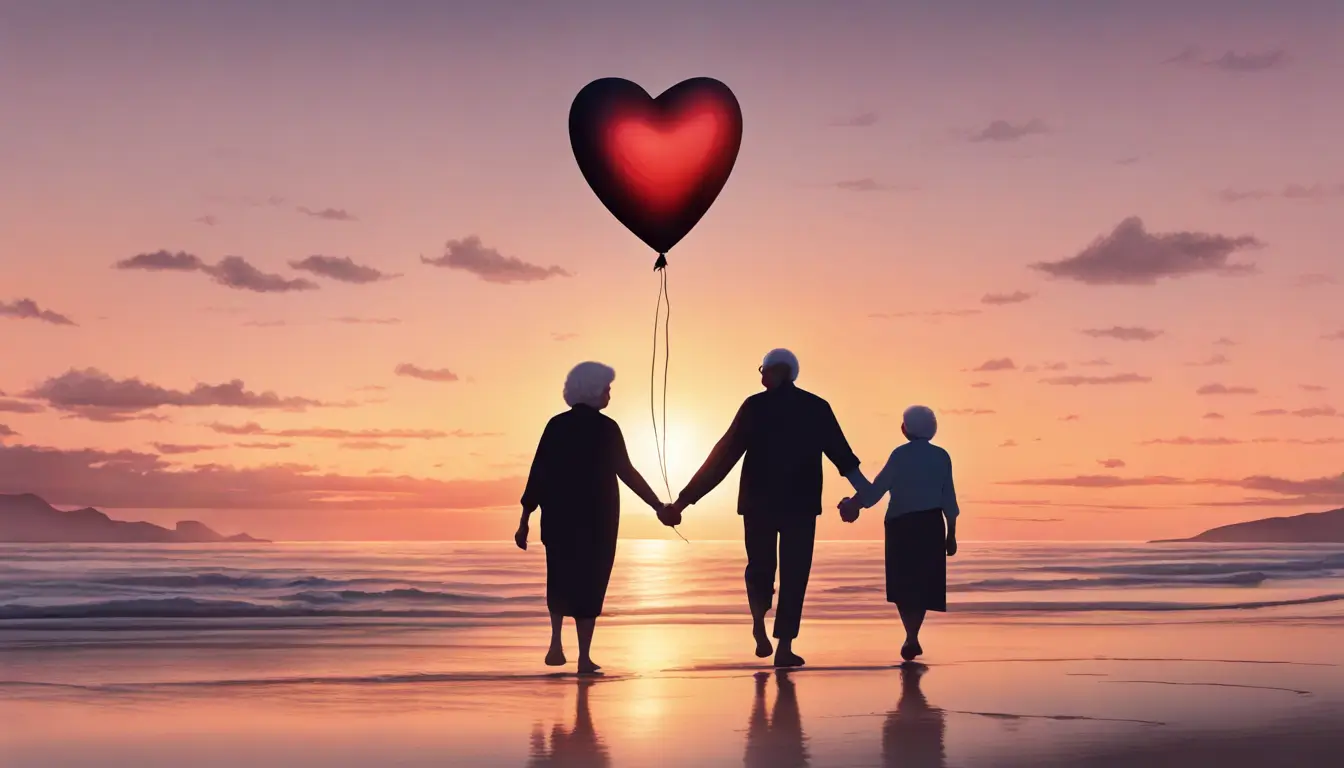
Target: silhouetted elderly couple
x=783 y=433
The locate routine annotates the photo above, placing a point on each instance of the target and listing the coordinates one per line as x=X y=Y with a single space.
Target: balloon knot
x=661 y=263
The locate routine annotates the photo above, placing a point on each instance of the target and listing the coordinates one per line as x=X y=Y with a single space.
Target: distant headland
x=28 y=519
x=1311 y=528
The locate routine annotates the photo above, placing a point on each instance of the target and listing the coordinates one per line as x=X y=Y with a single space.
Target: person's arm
x=534 y=492
x=629 y=475
x=870 y=493
x=727 y=452
x=950 y=510
x=836 y=448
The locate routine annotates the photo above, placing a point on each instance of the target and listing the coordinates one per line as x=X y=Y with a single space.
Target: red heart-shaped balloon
x=656 y=164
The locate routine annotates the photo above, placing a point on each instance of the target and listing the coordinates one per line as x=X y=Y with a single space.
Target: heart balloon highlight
x=657 y=164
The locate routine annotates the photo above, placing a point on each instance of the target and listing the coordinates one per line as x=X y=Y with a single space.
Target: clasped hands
x=670 y=514
x=849 y=509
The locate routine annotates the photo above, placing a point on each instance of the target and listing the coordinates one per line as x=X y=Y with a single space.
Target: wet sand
x=987 y=694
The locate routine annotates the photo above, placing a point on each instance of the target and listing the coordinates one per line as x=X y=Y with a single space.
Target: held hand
x=670 y=515
x=520 y=536
x=951 y=546
x=849 y=509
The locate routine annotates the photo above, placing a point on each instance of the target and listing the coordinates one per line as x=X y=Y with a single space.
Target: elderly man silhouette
x=783 y=432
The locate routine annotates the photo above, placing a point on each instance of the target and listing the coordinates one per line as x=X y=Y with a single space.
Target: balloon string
x=661 y=445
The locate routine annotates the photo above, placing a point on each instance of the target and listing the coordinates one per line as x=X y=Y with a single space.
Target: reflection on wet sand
x=776 y=741
x=914 y=734
x=581 y=747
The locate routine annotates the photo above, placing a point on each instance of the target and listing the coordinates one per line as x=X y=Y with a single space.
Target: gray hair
x=919 y=422
x=586 y=382
x=782 y=357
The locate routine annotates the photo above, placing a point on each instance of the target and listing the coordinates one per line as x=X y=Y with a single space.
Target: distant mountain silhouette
x=28 y=519
x=1313 y=527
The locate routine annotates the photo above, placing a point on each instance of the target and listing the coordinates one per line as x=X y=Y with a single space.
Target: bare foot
x=555 y=657
x=919 y=651
x=785 y=658
x=763 y=647
x=587 y=667
x=908 y=651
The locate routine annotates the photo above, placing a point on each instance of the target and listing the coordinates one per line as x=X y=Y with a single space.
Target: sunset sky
x=318 y=269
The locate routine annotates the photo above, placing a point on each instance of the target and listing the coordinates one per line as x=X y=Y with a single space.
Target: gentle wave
x=482 y=584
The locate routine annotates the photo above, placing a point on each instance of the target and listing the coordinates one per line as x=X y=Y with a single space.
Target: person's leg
x=796 y=540
x=585 y=627
x=912 y=619
x=760 y=577
x=555 y=657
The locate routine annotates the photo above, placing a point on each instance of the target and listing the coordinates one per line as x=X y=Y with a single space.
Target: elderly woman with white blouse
x=918 y=475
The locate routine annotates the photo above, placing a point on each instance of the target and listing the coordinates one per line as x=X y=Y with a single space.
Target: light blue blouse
x=918 y=475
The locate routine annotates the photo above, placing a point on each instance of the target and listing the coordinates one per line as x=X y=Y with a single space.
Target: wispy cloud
x=470 y=255
x=927 y=313
x=135 y=480
x=341 y=268
x=1096 y=362
x=1232 y=62
x=1312 y=387
x=1016 y=297
x=27 y=309
x=207 y=220
x=869 y=184
x=1213 y=415
x=425 y=374
x=253 y=429
x=231 y=271
x=968 y=412
x=1005 y=130
x=1336 y=336
x=1211 y=361
x=8 y=405
x=370 y=445
x=1306 y=193
x=6 y=431
x=997 y=364
x=1221 y=441
x=348 y=320
x=1130 y=255
x=1224 y=389
x=1010 y=443
x=1111 y=463
x=327 y=214
x=92 y=394
x=861 y=120
x=1077 y=381
x=1223 y=341
x=173 y=449
x=1313 y=412
x=1123 y=333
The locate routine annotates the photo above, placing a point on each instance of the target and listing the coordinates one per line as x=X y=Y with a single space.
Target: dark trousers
x=786 y=545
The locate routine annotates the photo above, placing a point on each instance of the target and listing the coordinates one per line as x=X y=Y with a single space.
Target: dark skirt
x=577 y=571
x=917 y=560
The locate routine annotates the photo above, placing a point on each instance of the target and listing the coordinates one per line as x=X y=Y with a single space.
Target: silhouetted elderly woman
x=573 y=479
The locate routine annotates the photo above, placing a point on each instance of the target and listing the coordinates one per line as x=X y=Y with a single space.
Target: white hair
x=782 y=357
x=919 y=422
x=586 y=382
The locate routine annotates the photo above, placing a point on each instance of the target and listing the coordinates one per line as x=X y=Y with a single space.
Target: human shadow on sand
x=775 y=740
x=914 y=734
x=579 y=747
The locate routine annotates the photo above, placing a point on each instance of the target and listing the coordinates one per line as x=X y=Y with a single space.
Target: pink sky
x=899 y=170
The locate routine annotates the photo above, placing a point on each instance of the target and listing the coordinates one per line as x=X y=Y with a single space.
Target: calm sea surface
x=311 y=585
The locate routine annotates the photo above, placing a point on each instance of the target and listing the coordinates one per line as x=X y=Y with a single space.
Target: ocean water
x=309 y=585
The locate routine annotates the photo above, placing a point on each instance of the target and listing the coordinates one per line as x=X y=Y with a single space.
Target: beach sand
x=1002 y=693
